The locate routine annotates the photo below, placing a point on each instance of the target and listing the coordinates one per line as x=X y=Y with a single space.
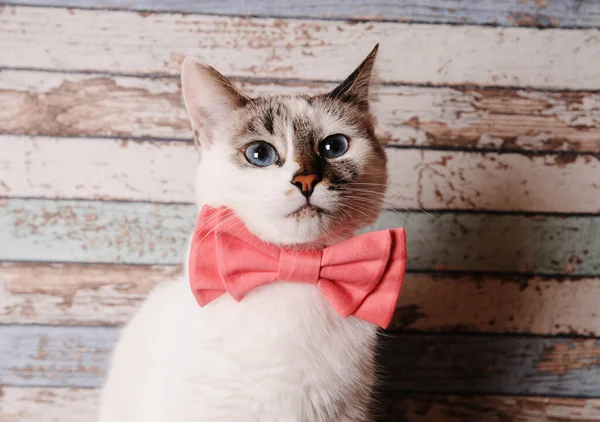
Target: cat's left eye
x=333 y=146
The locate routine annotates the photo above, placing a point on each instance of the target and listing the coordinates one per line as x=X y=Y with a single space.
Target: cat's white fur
x=281 y=354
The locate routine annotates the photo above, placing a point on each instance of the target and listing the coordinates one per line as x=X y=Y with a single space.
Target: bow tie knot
x=300 y=266
x=360 y=276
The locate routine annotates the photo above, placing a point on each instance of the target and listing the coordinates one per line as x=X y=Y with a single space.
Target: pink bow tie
x=360 y=276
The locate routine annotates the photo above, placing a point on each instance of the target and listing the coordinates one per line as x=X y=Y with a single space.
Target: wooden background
x=492 y=113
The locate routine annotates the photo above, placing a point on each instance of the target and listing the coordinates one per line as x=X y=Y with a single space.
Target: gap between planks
x=304 y=49
x=72 y=294
x=63 y=104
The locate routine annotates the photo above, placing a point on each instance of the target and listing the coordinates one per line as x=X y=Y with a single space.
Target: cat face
x=296 y=170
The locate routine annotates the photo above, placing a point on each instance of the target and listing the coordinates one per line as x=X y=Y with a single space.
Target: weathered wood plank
x=493 y=304
x=439 y=408
x=30 y=404
x=563 y=13
x=143 y=233
x=48 y=404
x=54 y=356
x=23 y=404
x=98 y=169
x=72 y=294
x=492 y=365
x=305 y=49
x=59 y=104
x=164 y=172
x=42 y=356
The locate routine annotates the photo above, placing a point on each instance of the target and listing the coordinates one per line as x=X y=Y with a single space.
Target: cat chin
x=307 y=229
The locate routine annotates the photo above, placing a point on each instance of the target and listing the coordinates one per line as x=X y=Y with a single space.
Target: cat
x=305 y=171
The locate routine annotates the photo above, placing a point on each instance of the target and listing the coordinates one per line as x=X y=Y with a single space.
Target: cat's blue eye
x=333 y=146
x=261 y=154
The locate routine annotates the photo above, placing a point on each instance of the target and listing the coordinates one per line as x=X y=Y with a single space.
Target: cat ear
x=355 y=88
x=209 y=98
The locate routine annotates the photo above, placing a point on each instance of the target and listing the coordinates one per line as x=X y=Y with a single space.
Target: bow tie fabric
x=361 y=276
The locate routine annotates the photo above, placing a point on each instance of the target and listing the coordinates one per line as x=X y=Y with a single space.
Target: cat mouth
x=309 y=210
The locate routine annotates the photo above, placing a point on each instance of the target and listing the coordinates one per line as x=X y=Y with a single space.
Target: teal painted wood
x=78 y=357
x=147 y=233
x=88 y=231
x=553 y=13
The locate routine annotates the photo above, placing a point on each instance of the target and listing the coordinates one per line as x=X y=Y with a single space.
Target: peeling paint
x=571 y=356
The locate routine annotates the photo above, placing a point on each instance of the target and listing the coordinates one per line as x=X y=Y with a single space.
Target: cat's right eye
x=261 y=154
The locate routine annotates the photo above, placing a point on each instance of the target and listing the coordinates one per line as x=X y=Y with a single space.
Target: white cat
x=282 y=353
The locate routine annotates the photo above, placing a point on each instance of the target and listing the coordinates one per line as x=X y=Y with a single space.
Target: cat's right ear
x=210 y=98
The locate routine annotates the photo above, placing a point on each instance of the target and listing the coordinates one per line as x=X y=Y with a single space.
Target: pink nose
x=306 y=183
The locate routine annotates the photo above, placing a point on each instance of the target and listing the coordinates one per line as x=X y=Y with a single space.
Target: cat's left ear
x=210 y=98
x=355 y=88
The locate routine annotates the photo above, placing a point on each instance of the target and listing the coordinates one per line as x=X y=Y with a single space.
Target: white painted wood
x=125 y=42
x=77 y=104
x=98 y=169
x=71 y=294
x=163 y=171
x=19 y=404
x=42 y=103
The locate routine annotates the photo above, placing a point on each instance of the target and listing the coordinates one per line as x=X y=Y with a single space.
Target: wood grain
x=75 y=294
x=129 y=43
x=144 y=233
x=494 y=304
x=564 y=13
x=23 y=404
x=454 y=408
x=54 y=356
x=492 y=364
x=44 y=356
x=48 y=404
x=66 y=104
x=129 y=170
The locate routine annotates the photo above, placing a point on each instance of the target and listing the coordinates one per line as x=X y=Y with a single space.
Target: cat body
x=281 y=354
x=301 y=171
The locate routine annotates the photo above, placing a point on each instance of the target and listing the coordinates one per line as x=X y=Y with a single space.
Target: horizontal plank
x=492 y=304
x=301 y=49
x=31 y=404
x=42 y=356
x=73 y=294
x=19 y=404
x=145 y=233
x=66 y=104
x=431 y=179
x=564 y=13
x=492 y=365
x=55 y=356
x=455 y=408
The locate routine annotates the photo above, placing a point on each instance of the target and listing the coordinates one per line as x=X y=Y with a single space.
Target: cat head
x=303 y=170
